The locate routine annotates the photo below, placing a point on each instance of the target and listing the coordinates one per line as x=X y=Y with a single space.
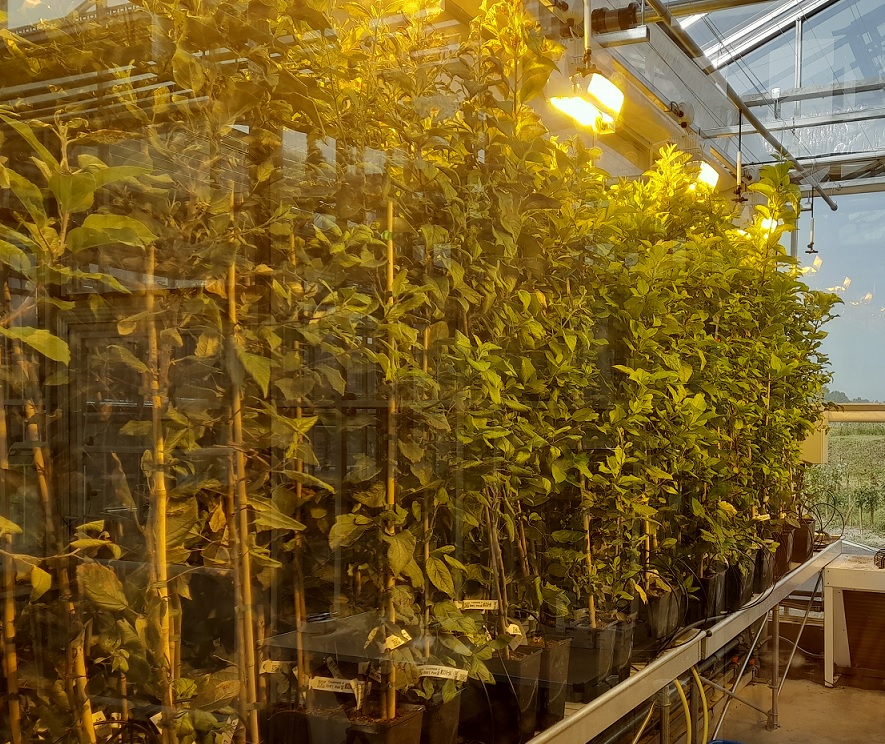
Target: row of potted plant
x=393 y=391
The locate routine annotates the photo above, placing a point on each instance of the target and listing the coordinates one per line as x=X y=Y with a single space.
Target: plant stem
x=241 y=503
x=390 y=676
x=159 y=504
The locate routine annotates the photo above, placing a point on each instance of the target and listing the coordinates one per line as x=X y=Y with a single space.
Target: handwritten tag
x=442 y=672
x=483 y=605
x=329 y=684
x=395 y=641
x=269 y=666
x=514 y=630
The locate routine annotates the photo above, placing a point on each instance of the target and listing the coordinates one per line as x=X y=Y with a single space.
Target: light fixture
x=811 y=248
x=595 y=103
x=708 y=175
x=594 y=100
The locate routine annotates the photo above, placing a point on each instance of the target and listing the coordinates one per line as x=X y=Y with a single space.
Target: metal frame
x=805 y=122
x=595 y=717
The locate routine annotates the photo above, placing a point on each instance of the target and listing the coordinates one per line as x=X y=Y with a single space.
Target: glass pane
x=849 y=263
x=844 y=44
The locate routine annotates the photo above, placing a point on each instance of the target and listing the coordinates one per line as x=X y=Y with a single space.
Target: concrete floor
x=809 y=713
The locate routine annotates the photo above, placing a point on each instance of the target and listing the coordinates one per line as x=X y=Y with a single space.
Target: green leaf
x=257 y=367
x=41 y=582
x=400 y=550
x=309 y=480
x=102 y=587
x=187 y=71
x=75 y=192
x=26 y=131
x=413 y=452
x=15 y=258
x=268 y=517
x=9 y=528
x=137 y=428
x=333 y=377
x=347 y=529
x=120 y=354
x=109 y=229
x=440 y=576
x=42 y=341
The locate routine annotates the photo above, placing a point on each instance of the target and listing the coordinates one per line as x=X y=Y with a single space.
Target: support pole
x=738 y=681
x=665 y=715
x=775 y=666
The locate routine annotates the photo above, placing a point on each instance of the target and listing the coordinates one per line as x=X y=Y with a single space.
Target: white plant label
x=395 y=641
x=157 y=719
x=483 y=605
x=269 y=666
x=329 y=684
x=98 y=717
x=514 y=630
x=442 y=672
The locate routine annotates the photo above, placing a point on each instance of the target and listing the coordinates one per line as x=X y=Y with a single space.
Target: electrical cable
x=644 y=724
x=700 y=684
x=686 y=709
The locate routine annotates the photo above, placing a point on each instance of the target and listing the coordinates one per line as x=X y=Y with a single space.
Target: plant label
x=157 y=719
x=329 y=684
x=483 y=605
x=442 y=672
x=269 y=666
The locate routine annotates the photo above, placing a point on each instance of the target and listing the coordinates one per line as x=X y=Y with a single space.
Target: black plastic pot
x=506 y=712
x=709 y=600
x=553 y=681
x=739 y=583
x=590 y=658
x=340 y=726
x=803 y=542
x=623 y=647
x=784 y=551
x=764 y=576
x=440 y=722
x=664 y=614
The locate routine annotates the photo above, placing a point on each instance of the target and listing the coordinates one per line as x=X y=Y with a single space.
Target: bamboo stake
x=10 y=657
x=591 y=601
x=428 y=502
x=300 y=604
x=241 y=504
x=233 y=541
x=75 y=676
x=160 y=505
x=390 y=676
x=497 y=566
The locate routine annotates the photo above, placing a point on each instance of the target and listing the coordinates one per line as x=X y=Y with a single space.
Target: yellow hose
x=700 y=684
x=644 y=724
x=687 y=712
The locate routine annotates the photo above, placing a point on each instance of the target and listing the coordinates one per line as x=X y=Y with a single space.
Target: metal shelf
x=595 y=717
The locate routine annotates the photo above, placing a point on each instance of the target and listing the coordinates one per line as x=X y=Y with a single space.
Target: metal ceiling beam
x=818 y=91
x=846 y=158
x=754 y=34
x=844 y=188
x=691 y=48
x=694 y=7
x=804 y=122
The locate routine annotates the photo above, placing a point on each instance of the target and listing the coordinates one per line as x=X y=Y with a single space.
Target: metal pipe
x=665 y=715
x=695 y=7
x=689 y=45
x=731 y=695
x=775 y=666
x=820 y=577
x=738 y=680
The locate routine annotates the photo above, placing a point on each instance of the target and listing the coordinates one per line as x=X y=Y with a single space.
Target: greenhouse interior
x=441 y=371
